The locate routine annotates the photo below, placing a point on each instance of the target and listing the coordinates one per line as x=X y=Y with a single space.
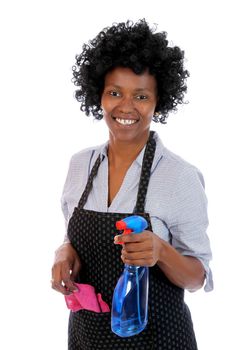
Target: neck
x=123 y=152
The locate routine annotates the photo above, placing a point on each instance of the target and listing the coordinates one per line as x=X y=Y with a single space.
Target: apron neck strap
x=88 y=187
x=143 y=182
x=145 y=174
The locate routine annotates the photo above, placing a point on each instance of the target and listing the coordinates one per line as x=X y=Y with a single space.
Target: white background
x=42 y=126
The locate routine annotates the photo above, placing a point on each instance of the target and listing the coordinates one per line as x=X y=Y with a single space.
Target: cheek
x=147 y=112
x=107 y=111
x=107 y=106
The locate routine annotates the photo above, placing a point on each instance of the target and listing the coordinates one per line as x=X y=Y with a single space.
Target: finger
x=137 y=255
x=148 y=261
x=59 y=287
x=127 y=238
x=66 y=279
x=140 y=262
x=138 y=246
x=133 y=237
x=75 y=270
x=57 y=281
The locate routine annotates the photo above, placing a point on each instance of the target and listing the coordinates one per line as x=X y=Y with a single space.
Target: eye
x=141 y=97
x=114 y=93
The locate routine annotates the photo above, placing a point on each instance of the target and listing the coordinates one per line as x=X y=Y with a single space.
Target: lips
x=125 y=121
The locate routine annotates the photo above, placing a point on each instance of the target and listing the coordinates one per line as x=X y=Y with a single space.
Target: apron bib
x=91 y=233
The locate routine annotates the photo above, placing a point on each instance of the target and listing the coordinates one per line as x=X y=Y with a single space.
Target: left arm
x=147 y=249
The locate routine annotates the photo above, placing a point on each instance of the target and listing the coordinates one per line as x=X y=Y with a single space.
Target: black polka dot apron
x=91 y=234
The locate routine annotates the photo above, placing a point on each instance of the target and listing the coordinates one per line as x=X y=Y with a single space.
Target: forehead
x=125 y=78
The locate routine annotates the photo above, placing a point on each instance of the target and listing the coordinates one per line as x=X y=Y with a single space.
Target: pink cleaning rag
x=86 y=298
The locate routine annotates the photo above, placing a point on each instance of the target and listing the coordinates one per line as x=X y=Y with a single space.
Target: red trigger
x=121 y=225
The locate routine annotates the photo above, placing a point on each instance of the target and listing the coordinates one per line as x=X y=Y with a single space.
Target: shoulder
x=186 y=184
x=180 y=169
x=172 y=171
x=80 y=166
x=86 y=156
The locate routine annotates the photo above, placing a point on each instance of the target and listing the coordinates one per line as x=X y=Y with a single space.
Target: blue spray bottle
x=130 y=299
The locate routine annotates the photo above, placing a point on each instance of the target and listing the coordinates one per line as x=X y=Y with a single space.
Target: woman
x=129 y=75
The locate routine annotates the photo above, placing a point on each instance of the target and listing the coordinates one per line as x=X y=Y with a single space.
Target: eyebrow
x=142 y=89
x=136 y=90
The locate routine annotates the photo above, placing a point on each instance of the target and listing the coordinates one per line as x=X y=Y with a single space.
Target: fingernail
x=116 y=241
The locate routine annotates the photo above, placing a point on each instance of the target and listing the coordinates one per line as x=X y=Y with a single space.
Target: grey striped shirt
x=176 y=199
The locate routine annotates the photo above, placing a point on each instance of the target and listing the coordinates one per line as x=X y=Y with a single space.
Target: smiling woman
x=129 y=76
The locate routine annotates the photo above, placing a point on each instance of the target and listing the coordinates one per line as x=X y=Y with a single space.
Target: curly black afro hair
x=135 y=46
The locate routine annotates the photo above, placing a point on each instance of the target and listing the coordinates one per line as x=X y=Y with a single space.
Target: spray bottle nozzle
x=134 y=223
x=121 y=225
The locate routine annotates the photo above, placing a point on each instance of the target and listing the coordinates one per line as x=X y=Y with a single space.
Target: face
x=128 y=103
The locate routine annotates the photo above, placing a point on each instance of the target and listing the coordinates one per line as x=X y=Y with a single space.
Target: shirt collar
x=158 y=152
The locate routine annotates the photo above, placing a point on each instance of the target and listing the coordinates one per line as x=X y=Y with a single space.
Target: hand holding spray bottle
x=130 y=299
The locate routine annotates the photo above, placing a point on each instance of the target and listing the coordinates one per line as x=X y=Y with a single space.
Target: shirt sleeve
x=64 y=204
x=188 y=219
x=78 y=172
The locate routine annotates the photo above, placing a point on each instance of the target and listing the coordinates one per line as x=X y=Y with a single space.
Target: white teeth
x=126 y=121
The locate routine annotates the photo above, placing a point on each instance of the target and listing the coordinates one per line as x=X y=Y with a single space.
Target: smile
x=126 y=121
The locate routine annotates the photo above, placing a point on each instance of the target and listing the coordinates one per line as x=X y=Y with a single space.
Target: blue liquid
x=130 y=302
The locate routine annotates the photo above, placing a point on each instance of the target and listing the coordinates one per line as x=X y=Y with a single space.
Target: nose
x=126 y=105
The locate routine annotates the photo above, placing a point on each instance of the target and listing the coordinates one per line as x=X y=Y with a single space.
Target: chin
x=129 y=135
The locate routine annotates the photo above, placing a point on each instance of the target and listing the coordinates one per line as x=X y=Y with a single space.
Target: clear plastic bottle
x=130 y=301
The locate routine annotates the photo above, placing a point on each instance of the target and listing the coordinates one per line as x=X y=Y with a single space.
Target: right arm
x=67 y=265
